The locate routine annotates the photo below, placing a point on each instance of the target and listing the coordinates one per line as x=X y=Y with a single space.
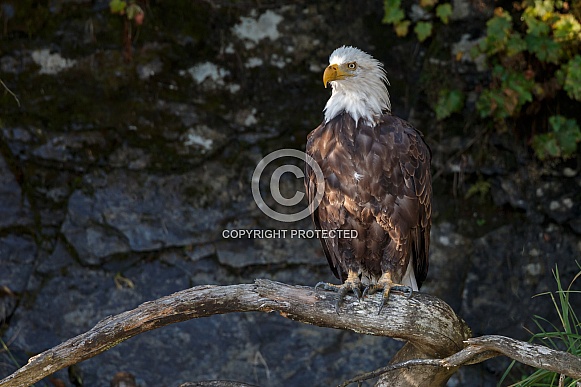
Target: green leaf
x=561 y=141
x=498 y=29
x=117 y=6
x=423 y=30
x=508 y=97
x=515 y=44
x=449 y=101
x=133 y=10
x=567 y=133
x=545 y=145
x=392 y=11
x=544 y=48
x=567 y=28
x=444 y=11
x=477 y=50
x=570 y=76
x=535 y=26
x=541 y=8
x=490 y=104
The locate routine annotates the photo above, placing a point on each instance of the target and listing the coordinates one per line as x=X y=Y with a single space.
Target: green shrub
x=533 y=51
x=534 y=55
x=560 y=141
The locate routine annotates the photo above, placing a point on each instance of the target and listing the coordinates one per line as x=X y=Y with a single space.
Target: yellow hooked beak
x=334 y=73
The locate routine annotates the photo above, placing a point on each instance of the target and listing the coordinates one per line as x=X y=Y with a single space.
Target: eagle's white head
x=359 y=85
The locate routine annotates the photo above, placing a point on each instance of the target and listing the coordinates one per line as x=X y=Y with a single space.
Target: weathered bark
x=418 y=375
x=429 y=324
x=485 y=347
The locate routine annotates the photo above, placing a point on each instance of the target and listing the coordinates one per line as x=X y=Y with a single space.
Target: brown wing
x=378 y=183
x=320 y=143
x=405 y=195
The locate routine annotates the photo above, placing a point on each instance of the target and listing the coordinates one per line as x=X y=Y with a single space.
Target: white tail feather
x=409 y=278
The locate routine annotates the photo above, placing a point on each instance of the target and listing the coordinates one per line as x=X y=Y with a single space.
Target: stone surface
x=101 y=221
x=14 y=208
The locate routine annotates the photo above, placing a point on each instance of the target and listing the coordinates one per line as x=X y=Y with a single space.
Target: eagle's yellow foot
x=386 y=284
x=352 y=283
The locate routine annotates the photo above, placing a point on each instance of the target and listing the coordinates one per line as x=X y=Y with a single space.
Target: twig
x=10 y=91
x=392 y=367
x=483 y=348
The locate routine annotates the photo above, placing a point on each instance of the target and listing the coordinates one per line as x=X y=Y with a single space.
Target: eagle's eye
x=352 y=65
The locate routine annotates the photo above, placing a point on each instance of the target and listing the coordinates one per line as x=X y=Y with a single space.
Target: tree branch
x=538 y=356
x=483 y=348
x=429 y=324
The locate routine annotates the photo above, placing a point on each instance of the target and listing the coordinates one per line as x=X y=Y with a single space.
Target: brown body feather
x=377 y=182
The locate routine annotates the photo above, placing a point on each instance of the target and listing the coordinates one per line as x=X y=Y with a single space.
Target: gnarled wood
x=484 y=347
x=429 y=324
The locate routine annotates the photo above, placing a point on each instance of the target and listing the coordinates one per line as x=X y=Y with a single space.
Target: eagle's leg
x=352 y=283
x=386 y=284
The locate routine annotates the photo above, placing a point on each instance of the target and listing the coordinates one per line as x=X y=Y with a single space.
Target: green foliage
x=561 y=141
x=132 y=14
x=394 y=14
x=423 y=30
x=117 y=6
x=506 y=97
x=570 y=76
x=480 y=188
x=567 y=28
x=498 y=32
x=132 y=11
x=444 y=11
x=515 y=44
x=545 y=48
x=533 y=51
x=564 y=336
x=449 y=101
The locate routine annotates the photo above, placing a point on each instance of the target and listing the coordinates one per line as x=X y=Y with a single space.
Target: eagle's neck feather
x=362 y=98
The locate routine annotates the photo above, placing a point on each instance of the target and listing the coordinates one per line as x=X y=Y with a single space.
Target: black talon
x=357 y=293
x=340 y=297
x=365 y=292
x=383 y=302
x=323 y=285
x=370 y=290
x=352 y=283
x=341 y=290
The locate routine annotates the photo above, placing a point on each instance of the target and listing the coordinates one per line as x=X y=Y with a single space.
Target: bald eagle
x=377 y=183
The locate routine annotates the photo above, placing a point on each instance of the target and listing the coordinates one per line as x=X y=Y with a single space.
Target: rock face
x=15 y=210
x=101 y=220
x=122 y=182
